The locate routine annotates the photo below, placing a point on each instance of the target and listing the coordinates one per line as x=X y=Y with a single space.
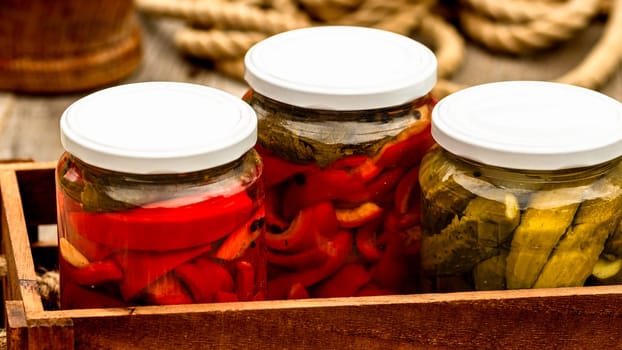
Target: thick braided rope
x=604 y=58
x=518 y=11
x=539 y=33
x=216 y=44
x=223 y=15
x=372 y=12
x=512 y=10
x=404 y=21
x=329 y=10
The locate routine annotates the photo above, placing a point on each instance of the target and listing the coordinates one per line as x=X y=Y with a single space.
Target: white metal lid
x=530 y=125
x=340 y=68
x=158 y=127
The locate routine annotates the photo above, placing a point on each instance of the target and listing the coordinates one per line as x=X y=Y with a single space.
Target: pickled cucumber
x=443 y=198
x=573 y=260
x=469 y=239
x=489 y=274
x=549 y=215
x=614 y=243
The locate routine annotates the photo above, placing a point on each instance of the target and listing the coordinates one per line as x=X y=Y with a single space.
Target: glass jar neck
x=368 y=115
x=555 y=176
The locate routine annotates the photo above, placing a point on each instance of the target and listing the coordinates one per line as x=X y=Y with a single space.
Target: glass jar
x=523 y=190
x=343 y=121
x=160 y=198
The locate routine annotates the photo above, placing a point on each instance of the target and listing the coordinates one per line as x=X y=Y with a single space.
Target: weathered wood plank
x=16 y=247
x=569 y=318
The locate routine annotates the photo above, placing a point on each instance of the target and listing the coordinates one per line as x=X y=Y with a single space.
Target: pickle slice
x=476 y=236
x=573 y=260
x=489 y=274
x=549 y=215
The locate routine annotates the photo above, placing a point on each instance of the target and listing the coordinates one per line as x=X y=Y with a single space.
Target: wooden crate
x=569 y=318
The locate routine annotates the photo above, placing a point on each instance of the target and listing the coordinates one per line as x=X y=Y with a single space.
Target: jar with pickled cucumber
x=523 y=189
x=343 y=121
x=160 y=198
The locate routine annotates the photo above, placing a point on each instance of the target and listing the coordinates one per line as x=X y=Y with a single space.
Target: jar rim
x=340 y=68
x=158 y=128
x=533 y=125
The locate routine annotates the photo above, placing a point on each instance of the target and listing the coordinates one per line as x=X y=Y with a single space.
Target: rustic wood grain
x=16 y=246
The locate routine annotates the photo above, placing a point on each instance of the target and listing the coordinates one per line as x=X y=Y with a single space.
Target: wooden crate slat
x=16 y=325
x=16 y=246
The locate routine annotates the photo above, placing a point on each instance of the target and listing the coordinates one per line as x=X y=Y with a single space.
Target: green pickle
x=513 y=235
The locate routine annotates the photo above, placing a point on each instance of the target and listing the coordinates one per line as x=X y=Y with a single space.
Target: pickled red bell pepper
x=244 y=280
x=225 y=297
x=277 y=170
x=407 y=148
x=339 y=249
x=298 y=260
x=405 y=192
x=165 y=228
x=344 y=283
x=167 y=290
x=355 y=217
x=365 y=241
x=311 y=225
x=85 y=297
x=95 y=273
x=238 y=241
x=322 y=186
x=142 y=268
x=204 y=278
x=297 y=291
x=391 y=271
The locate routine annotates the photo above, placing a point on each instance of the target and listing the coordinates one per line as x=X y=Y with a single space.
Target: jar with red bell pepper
x=343 y=121
x=160 y=198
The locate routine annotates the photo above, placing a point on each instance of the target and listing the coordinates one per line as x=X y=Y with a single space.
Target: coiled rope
x=223 y=30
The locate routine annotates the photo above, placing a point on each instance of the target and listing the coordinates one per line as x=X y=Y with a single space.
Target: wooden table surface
x=29 y=125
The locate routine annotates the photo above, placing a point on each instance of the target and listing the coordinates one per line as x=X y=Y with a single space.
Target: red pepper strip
x=396 y=222
x=407 y=148
x=384 y=183
x=297 y=261
x=366 y=241
x=355 y=217
x=76 y=297
x=260 y=295
x=367 y=170
x=371 y=290
x=406 y=190
x=274 y=209
x=225 y=297
x=277 y=170
x=239 y=240
x=215 y=274
x=95 y=273
x=167 y=290
x=204 y=278
x=307 y=228
x=91 y=250
x=344 y=283
x=142 y=268
x=392 y=270
x=338 y=250
x=297 y=291
x=164 y=228
x=322 y=186
x=245 y=280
